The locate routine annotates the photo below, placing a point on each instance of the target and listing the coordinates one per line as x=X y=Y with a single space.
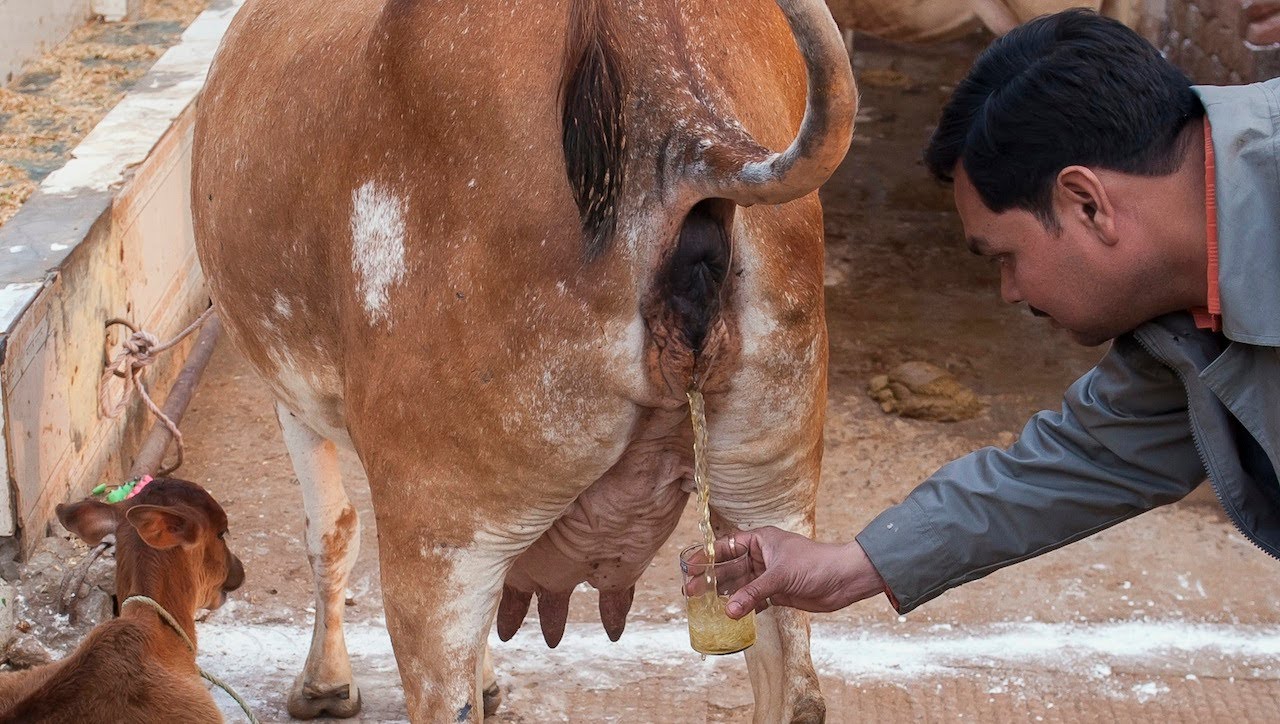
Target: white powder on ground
x=262 y=659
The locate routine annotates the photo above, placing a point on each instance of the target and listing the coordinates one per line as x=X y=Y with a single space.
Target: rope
x=140 y=351
x=69 y=590
x=169 y=619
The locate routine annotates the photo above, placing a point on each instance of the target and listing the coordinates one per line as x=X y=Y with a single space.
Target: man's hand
x=791 y=570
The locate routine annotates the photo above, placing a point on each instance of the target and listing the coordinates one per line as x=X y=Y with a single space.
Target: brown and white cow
x=931 y=21
x=490 y=245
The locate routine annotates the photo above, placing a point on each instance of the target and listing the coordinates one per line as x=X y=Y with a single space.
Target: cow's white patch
x=313 y=392
x=282 y=305
x=377 y=246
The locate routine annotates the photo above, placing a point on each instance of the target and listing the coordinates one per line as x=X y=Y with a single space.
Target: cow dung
x=922 y=391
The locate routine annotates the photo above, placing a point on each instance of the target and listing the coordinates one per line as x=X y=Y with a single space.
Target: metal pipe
x=151 y=454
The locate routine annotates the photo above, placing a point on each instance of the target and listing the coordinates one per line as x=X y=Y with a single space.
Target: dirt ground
x=1169 y=617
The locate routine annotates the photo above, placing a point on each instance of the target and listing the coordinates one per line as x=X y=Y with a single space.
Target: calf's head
x=170 y=537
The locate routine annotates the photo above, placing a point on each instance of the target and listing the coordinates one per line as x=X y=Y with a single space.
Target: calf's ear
x=91 y=520
x=163 y=527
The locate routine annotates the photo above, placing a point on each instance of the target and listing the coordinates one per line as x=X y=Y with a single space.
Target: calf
x=170 y=547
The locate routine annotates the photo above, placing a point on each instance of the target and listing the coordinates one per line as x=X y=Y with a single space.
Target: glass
x=706 y=591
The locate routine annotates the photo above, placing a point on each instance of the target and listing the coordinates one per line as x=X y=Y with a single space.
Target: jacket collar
x=1246 y=142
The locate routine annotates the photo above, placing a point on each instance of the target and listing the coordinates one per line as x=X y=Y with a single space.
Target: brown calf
x=136 y=668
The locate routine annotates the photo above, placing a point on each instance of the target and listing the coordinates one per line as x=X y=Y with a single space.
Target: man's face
x=1066 y=275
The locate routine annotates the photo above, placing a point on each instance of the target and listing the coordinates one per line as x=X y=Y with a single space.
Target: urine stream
x=711 y=631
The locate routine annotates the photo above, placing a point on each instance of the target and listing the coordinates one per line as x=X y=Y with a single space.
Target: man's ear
x=163 y=527
x=1080 y=195
x=91 y=520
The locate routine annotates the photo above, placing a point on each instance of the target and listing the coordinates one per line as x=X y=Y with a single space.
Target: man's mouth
x=1045 y=315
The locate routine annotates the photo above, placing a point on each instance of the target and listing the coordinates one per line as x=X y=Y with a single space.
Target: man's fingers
x=777 y=599
x=731 y=546
x=750 y=596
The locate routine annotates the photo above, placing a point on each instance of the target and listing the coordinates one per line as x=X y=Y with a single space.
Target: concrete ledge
x=108 y=235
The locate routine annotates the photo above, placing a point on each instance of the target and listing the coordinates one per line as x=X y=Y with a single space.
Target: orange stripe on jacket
x=1210 y=316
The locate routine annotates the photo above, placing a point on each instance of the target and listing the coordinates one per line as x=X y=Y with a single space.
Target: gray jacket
x=1168 y=405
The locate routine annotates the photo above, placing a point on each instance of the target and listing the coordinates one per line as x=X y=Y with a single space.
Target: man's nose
x=1008 y=289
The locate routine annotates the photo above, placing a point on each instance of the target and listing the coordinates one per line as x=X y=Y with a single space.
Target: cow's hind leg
x=441 y=599
x=325 y=685
x=492 y=694
x=784 y=683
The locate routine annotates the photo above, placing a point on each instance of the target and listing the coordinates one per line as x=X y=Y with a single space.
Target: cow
x=490 y=246
x=170 y=548
x=933 y=21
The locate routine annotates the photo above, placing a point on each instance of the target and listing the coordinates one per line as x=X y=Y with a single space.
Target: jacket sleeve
x=1121 y=445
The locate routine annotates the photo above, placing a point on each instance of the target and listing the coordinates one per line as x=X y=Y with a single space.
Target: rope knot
x=138 y=349
x=139 y=352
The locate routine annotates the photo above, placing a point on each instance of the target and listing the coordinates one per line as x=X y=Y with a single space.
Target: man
x=1122 y=204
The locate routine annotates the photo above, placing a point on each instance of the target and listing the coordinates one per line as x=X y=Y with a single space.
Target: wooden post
x=151 y=454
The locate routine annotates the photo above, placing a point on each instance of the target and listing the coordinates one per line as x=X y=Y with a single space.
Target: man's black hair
x=1064 y=89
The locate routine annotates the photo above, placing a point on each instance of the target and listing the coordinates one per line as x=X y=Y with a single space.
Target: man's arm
x=1121 y=445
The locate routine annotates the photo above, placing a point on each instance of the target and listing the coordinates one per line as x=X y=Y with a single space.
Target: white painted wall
x=29 y=27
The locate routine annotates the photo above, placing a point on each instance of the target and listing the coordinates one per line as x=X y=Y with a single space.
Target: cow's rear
x=491 y=247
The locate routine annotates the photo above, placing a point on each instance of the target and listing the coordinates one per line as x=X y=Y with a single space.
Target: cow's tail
x=747 y=173
x=592 y=119
x=594 y=133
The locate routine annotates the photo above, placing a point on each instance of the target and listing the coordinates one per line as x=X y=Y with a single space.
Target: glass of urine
x=707 y=588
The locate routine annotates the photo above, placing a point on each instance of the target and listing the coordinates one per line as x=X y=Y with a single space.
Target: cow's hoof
x=809 y=710
x=492 y=700
x=309 y=702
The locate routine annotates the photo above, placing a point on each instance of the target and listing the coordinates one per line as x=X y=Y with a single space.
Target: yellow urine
x=711 y=631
